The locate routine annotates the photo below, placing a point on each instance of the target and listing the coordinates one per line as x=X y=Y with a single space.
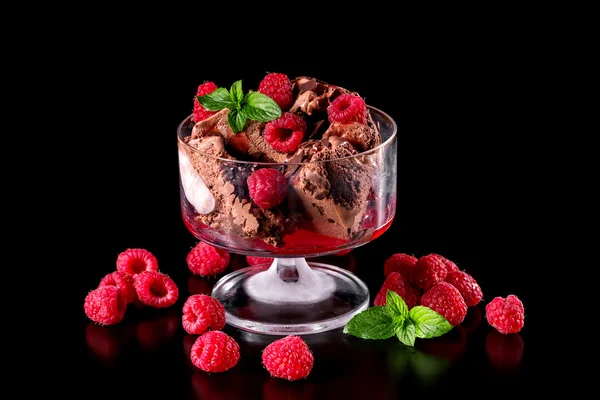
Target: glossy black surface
x=462 y=193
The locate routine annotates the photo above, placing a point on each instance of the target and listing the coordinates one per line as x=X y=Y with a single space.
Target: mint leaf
x=236 y=120
x=406 y=334
x=372 y=323
x=260 y=107
x=236 y=93
x=217 y=100
x=396 y=304
x=428 y=323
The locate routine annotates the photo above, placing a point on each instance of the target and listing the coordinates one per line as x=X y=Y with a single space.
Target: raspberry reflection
x=153 y=333
x=106 y=343
x=504 y=352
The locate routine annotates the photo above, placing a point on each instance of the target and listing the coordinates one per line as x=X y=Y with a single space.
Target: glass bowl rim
x=276 y=164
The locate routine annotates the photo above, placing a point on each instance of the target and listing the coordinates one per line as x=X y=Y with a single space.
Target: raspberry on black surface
x=288 y=358
x=215 y=351
x=506 y=315
x=156 y=289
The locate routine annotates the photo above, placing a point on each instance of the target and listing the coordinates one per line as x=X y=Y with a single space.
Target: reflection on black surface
x=449 y=346
x=472 y=320
x=406 y=363
x=428 y=368
x=200 y=285
x=243 y=381
x=504 y=352
x=237 y=262
x=153 y=333
x=277 y=389
x=188 y=342
x=219 y=386
x=106 y=343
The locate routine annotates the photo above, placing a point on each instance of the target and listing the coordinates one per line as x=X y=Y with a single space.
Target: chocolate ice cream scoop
x=333 y=190
x=314 y=96
x=361 y=136
x=250 y=141
x=211 y=144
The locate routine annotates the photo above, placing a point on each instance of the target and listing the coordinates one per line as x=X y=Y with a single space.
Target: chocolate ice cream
x=330 y=181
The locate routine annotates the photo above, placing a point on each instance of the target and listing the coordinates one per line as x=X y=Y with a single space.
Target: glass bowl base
x=286 y=299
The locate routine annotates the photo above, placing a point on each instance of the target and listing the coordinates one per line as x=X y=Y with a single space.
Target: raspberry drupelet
x=506 y=315
x=105 y=305
x=447 y=301
x=285 y=133
x=278 y=87
x=401 y=285
x=134 y=261
x=206 y=260
x=201 y=113
x=400 y=262
x=156 y=289
x=215 y=351
x=201 y=313
x=288 y=358
x=347 y=108
x=466 y=285
x=267 y=187
x=123 y=282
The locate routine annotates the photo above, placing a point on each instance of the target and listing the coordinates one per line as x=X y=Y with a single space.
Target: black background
x=466 y=189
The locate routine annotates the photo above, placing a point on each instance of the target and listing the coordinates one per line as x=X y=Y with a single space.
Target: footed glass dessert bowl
x=333 y=194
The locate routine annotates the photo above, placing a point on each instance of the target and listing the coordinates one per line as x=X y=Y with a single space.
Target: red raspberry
x=428 y=271
x=285 y=133
x=251 y=260
x=201 y=313
x=201 y=113
x=400 y=262
x=347 y=108
x=506 y=315
x=447 y=301
x=123 y=282
x=450 y=265
x=402 y=286
x=267 y=187
x=288 y=358
x=134 y=261
x=278 y=87
x=105 y=305
x=207 y=260
x=215 y=351
x=156 y=289
x=466 y=285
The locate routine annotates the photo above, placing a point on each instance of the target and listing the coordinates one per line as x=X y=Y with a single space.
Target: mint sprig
x=254 y=105
x=394 y=319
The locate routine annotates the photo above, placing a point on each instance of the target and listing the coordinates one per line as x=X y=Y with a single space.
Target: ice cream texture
x=331 y=175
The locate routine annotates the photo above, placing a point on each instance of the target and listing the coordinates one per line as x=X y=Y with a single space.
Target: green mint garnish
x=372 y=323
x=261 y=108
x=382 y=322
x=428 y=323
x=396 y=304
x=406 y=334
x=217 y=100
x=236 y=120
x=254 y=105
